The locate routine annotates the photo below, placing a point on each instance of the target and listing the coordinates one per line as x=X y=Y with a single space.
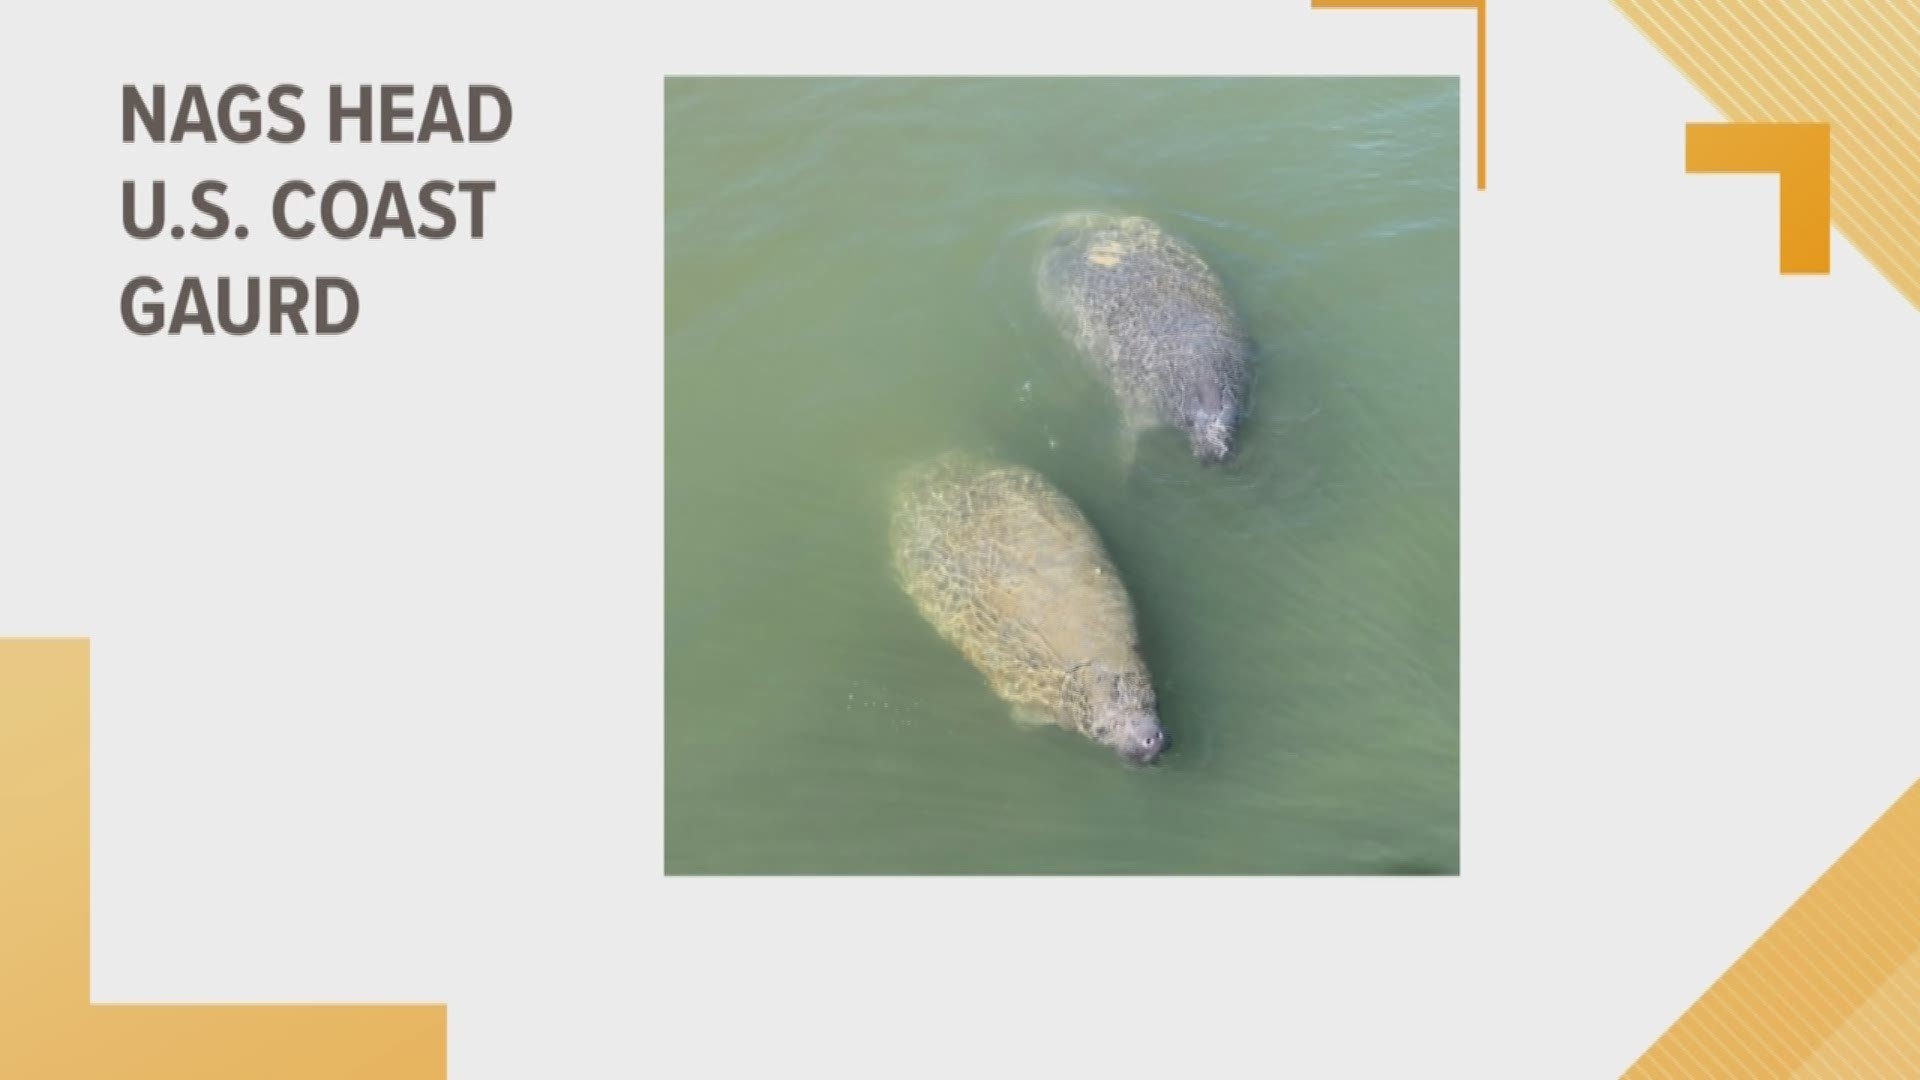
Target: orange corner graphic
x=1830 y=990
x=1799 y=153
x=49 y=1029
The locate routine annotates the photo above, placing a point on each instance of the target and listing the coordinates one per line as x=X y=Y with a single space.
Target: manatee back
x=1148 y=313
x=1011 y=573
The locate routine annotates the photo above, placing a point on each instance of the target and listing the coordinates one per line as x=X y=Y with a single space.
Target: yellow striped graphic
x=1830 y=990
x=1851 y=64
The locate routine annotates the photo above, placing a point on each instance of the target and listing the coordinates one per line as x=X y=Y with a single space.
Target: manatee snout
x=1146 y=749
x=1140 y=740
x=1211 y=436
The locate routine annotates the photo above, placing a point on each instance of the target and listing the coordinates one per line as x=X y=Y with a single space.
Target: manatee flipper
x=1031 y=716
x=1131 y=431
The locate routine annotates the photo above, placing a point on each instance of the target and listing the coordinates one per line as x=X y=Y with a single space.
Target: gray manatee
x=1153 y=320
x=1010 y=572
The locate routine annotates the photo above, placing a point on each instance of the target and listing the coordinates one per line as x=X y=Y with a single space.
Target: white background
x=376 y=619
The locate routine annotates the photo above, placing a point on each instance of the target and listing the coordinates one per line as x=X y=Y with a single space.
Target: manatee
x=1010 y=572
x=1152 y=319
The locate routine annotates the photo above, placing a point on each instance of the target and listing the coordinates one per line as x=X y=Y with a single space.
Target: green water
x=849 y=291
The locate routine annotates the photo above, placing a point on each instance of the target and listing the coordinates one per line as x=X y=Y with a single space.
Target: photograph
x=1062 y=476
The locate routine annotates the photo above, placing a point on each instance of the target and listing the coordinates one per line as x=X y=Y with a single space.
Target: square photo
x=1062 y=476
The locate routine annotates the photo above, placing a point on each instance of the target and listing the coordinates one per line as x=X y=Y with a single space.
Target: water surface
x=849 y=291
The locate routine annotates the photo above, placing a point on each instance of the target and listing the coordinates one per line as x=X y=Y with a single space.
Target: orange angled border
x=1830 y=990
x=1480 y=8
x=1801 y=154
x=49 y=1029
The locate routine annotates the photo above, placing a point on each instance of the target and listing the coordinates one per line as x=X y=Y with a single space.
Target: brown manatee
x=1011 y=573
